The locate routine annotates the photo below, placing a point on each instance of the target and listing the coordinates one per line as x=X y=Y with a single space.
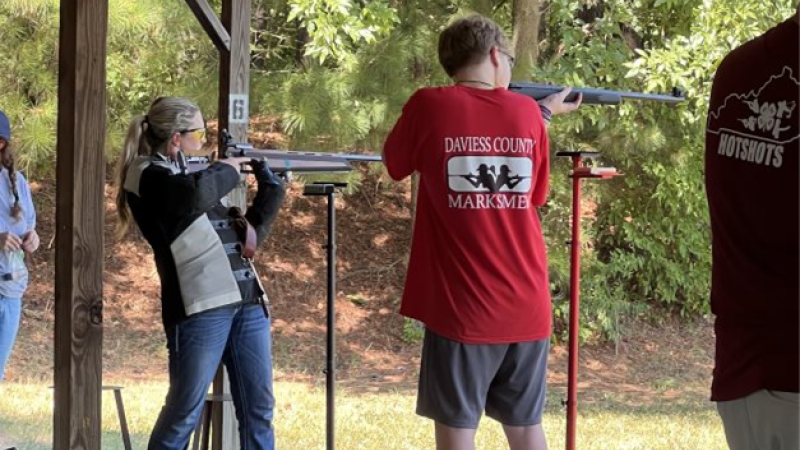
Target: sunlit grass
x=376 y=421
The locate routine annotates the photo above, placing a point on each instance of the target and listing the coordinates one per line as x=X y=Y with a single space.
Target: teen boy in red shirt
x=478 y=275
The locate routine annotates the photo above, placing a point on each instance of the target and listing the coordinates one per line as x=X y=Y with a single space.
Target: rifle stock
x=592 y=96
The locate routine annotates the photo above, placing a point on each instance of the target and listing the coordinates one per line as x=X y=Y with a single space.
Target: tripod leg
x=574 y=303
x=330 y=372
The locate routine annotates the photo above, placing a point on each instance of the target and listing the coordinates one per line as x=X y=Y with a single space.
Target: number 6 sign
x=238 y=109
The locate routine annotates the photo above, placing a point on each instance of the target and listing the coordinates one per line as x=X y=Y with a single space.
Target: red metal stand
x=579 y=172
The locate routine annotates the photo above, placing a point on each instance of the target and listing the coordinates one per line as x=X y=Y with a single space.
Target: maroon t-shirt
x=478 y=268
x=751 y=161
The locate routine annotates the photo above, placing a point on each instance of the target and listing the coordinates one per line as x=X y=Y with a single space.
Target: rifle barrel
x=283 y=161
x=281 y=167
x=292 y=155
x=592 y=96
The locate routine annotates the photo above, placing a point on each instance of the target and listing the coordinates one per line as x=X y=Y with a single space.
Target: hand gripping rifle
x=285 y=162
x=592 y=96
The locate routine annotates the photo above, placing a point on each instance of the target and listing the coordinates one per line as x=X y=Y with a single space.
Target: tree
x=525 y=40
x=649 y=244
x=153 y=50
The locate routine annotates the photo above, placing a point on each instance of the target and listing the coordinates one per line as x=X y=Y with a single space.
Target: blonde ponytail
x=135 y=145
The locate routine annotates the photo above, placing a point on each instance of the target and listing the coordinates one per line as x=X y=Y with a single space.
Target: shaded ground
x=650 y=363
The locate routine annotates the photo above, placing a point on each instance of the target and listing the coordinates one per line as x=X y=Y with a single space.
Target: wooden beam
x=234 y=115
x=234 y=86
x=80 y=176
x=211 y=23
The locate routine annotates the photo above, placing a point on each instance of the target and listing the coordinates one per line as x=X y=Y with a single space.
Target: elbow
x=393 y=173
x=277 y=192
x=264 y=228
x=399 y=175
x=396 y=173
x=281 y=187
x=265 y=207
x=398 y=164
x=279 y=199
x=389 y=163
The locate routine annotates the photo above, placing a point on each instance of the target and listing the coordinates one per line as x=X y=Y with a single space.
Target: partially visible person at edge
x=477 y=277
x=17 y=237
x=214 y=309
x=753 y=189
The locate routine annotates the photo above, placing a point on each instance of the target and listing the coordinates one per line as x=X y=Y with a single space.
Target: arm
x=30 y=241
x=269 y=198
x=184 y=195
x=399 y=151
x=556 y=104
x=513 y=181
x=472 y=179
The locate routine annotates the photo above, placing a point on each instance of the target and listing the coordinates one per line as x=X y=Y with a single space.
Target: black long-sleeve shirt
x=197 y=252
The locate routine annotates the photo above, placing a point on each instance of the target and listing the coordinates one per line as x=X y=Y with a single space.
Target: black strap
x=220 y=224
x=244 y=274
x=232 y=247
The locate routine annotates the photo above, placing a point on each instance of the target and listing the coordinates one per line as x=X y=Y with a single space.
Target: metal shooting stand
x=329 y=189
x=579 y=172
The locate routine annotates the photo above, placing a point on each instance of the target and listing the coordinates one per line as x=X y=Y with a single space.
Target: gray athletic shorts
x=457 y=382
x=764 y=419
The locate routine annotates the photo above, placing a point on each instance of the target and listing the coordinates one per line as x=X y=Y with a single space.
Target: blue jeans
x=9 y=325
x=239 y=336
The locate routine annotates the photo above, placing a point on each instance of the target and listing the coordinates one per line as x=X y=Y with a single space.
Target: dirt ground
x=650 y=362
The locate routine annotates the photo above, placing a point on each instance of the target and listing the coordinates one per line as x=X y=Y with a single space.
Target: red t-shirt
x=752 y=144
x=478 y=268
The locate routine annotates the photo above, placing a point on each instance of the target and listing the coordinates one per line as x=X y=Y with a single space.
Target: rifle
x=284 y=162
x=592 y=96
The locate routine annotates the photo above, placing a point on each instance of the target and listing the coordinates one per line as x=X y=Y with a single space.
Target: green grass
x=380 y=421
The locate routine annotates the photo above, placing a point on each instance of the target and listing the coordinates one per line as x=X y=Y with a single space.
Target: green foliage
x=152 y=50
x=28 y=85
x=156 y=48
x=318 y=104
x=648 y=244
x=337 y=27
x=413 y=331
x=351 y=98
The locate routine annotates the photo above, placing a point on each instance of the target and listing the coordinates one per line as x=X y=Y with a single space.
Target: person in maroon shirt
x=753 y=189
x=477 y=277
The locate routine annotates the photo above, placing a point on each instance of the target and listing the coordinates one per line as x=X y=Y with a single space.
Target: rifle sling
x=245 y=232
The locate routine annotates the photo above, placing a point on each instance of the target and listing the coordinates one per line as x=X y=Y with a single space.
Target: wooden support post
x=234 y=115
x=80 y=175
x=234 y=105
